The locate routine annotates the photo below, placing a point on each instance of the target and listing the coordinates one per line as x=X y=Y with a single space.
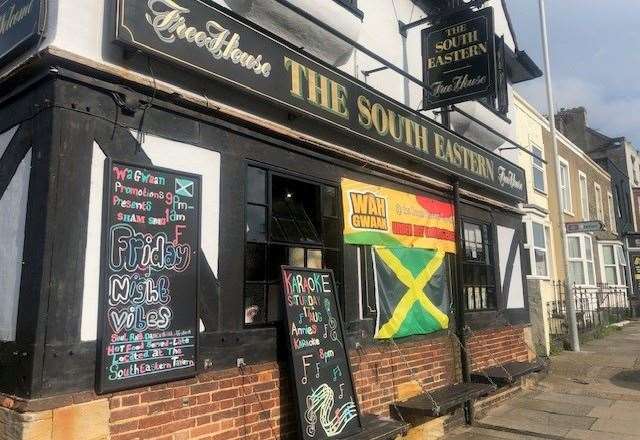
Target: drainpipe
x=460 y=321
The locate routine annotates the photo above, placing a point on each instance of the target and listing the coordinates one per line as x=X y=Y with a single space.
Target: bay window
x=538 y=248
x=614 y=264
x=580 y=256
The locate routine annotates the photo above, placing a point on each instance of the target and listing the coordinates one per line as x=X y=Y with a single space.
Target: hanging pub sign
x=148 y=309
x=459 y=59
x=209 y=39
x=326 y=400
x=22 y=24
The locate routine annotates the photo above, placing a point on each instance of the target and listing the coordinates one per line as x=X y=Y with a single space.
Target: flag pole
x=569 y=297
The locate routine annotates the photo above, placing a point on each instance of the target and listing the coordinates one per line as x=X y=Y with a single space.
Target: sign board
x=375 y=215
x=635 y=271
x=22 y=24
x=590 y=226
x=207 y=38
x=148 y=300
x=459 y=60
x=634 y=240
x=326 y=400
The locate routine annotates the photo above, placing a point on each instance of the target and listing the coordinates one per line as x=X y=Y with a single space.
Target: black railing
x=596 y=307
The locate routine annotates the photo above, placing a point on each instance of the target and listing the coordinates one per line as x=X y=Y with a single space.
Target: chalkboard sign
x=148 y=303
x=327 y=403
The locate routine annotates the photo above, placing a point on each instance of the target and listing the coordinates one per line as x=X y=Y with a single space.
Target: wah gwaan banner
x=374 y=215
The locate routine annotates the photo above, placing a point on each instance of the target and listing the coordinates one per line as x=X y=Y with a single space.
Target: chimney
x=573 y=124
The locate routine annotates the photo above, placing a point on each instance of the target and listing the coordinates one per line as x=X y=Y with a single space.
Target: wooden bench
x=379 y=428
x=446 y=398
x=508 y=373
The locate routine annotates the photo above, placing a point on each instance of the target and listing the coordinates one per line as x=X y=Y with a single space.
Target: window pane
x=538 y=235
x=255 y=262
x=314 y=259
x=588 y=247
x=591 y=276
x=541 y=263
x=256 y=185
x=576 y=272
x=254 y=305
x=607 y=255
x=296 y=257
x=256 y=223
x=538 y=179
x=621 y=258
x=331 y=232
x=274 y=294
x=573 y=243
x=277 y=257
x=610 y=275
x=329 y=201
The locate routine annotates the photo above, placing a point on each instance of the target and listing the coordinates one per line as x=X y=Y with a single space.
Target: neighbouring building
x=620 y=158
x=536 y=158
x=161 y=160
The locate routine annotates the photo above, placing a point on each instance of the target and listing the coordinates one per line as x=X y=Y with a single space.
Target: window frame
x=540 y=167
x=599 y=203
x=351 y=6
x=566 y=209
x=532 y=248
x=270 y=172
x=586 y=214
x=620 y=267
x=490 y=265
x=582 y=259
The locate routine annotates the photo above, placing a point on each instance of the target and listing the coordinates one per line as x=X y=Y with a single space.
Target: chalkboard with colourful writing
x=327 y=403
x=148 y=292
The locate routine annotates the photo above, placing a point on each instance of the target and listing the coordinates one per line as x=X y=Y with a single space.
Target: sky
x=595 y=59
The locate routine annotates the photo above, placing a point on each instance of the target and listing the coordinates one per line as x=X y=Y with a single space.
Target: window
x=351 y=5
x=584 y=196
x=614 y=264
x=580 y=255
x=479 y=271
x=612 y=216
x=565 y=187
x=288 y=222
x=540 y=265
x=539 y=181
x=599 y=208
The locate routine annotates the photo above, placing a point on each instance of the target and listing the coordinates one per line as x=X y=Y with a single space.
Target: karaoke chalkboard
x=327 y=405
x=148 y=291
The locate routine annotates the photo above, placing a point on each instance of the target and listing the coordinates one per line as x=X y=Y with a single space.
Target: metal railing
x=596 y=307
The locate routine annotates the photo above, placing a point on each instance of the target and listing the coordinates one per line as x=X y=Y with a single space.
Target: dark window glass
x=256 y=223
x=303 y=231
x=479 y=272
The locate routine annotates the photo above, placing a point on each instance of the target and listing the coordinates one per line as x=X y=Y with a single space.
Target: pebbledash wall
x=61 y=118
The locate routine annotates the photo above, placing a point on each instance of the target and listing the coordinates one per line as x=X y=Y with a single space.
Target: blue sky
x=595 y=59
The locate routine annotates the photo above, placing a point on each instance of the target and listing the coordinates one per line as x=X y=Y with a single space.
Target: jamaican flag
x=411 y=290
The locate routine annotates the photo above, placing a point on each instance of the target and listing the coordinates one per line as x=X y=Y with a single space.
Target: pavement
x=591 y=395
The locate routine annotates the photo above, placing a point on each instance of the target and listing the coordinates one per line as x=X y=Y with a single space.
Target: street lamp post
x=569 y=298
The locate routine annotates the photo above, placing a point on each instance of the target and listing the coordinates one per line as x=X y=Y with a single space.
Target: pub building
x=238 y=219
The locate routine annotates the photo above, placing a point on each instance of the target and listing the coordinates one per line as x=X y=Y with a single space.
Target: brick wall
x=257 y=405
x=490 y=347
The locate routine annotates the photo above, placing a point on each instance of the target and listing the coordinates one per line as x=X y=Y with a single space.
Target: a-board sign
x=459 y=59
x=327 y=404
x=148 y=291
x=22 y=24
x=590 y=226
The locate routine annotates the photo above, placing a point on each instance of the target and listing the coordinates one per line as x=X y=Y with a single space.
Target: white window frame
x=538 y=167
x=621 y=268
x=599 y=205
x=582 y=177
x=566 y=209
x=612 y=214
x=583 y=258
x=531 y=248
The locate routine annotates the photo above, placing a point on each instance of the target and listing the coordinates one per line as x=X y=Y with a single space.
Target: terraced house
x=237 y=219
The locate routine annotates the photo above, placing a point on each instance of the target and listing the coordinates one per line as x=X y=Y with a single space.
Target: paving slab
x=571 y=399
x=621 y=413
x=526 y=424
x=577 y=434
x=478 y=433
x=615 y=426
x=552 y=407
